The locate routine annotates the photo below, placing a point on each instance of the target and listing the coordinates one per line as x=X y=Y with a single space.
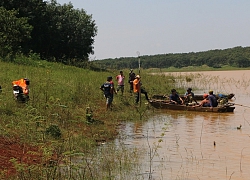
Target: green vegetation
x=237 y=57
x=56 y=118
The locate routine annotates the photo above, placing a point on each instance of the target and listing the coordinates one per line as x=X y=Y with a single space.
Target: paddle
x=242 y=105
x=139 y=68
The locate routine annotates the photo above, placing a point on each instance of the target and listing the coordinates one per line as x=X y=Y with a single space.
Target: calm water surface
x=191 y=145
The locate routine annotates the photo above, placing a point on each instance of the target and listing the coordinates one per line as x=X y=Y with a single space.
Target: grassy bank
x=53 y=123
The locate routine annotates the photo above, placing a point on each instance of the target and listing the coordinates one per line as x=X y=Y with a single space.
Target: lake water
x=194 y=145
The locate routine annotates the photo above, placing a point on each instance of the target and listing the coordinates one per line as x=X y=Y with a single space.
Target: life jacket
x=23 y=83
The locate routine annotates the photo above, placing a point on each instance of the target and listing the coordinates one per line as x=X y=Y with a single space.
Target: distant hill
x=236 y=57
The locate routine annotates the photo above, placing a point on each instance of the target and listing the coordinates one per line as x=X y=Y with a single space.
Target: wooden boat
x=164 y=104
x=198 y=97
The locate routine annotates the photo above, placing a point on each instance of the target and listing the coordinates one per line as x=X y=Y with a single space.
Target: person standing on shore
x=130 y=80
x=138 y=89
x=120 y=80
x=108 y=90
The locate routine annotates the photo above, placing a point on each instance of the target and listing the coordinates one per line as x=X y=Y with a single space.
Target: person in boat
x=139 y=89
x=175 y=98
x=108 y=90
x=204 y=103
x=212 y=99
x=189 y=96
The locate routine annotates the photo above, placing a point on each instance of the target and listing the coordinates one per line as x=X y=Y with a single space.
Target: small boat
x=196 y=97
x=164 y=104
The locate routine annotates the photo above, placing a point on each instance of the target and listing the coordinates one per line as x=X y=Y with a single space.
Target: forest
x=236 y=57
x=55 y=32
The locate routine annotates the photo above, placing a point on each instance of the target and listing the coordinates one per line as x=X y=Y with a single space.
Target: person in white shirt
x=120 y=80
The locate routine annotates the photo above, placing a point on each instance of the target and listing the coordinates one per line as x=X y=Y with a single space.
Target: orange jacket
x=136 y=85
x=22 y=84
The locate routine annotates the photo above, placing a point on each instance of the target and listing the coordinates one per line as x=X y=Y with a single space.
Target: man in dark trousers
x=108 y=90
x=131 y=79
x=138 y=89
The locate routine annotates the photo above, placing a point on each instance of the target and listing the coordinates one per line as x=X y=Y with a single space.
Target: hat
x=137 y=76
x=189 y=89
x=205 y=95
x=210 y=92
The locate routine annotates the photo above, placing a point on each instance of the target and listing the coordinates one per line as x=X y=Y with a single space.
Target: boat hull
x=161 y=104
x=197 y=97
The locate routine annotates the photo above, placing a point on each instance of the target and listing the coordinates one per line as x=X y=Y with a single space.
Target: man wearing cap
x=131 y=79
x=189 y=96
x=212 y=99
x=137 y=89
x=108 y=90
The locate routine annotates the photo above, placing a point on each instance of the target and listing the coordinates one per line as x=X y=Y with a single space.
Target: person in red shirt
x=204 y=102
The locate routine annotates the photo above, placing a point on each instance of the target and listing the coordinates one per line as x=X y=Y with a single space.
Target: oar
x=242 y=105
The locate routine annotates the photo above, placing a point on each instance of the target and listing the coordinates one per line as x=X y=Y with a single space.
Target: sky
x=128 y=28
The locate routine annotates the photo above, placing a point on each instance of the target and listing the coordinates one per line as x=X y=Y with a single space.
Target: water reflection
x=195 y=145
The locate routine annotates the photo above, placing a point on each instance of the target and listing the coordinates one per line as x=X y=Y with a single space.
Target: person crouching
x=175 y=98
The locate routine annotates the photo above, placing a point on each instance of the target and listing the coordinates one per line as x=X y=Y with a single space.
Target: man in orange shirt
x=137 y=89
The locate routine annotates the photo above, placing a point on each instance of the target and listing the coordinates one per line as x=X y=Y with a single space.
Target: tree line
x=235 y=57
x=55 y=32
